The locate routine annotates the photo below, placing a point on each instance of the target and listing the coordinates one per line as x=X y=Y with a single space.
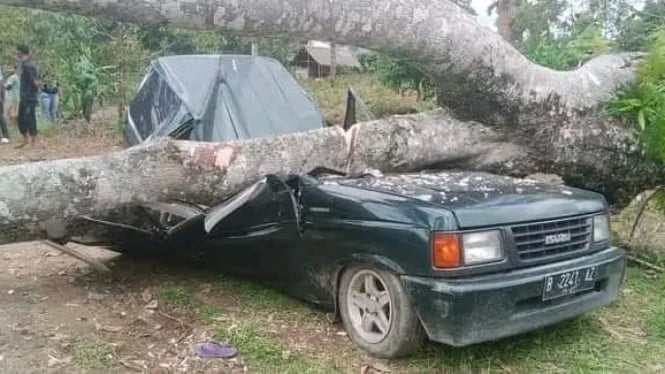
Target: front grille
x=532 y=239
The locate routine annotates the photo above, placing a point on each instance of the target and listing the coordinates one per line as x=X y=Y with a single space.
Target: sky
x=480 y=6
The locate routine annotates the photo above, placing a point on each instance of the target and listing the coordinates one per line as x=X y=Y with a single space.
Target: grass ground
x=94 y=355
x=330 y=94
x=627 y=337
x=56 y=314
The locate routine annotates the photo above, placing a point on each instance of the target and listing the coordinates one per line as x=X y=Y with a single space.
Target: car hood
x=482 y=199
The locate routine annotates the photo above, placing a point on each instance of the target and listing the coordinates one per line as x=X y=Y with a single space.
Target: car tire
x=398 y=336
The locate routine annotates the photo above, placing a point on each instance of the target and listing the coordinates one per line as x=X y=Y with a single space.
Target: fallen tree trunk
x=37 y=199
x=555 y=117
x=41 y=200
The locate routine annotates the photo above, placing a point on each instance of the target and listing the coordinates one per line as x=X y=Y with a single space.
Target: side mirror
x=356 y=110
x=276 y=184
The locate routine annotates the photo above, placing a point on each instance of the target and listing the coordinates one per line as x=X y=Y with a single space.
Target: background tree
x=505 y=21
x=635 y=29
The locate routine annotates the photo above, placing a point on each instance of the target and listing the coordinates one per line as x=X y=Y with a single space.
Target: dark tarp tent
x=219 y=98
x=207 y=98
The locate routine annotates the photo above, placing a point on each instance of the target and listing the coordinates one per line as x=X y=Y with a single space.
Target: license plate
x=569 y=282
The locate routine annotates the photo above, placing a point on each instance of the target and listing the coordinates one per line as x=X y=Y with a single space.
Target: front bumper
x=476 y=309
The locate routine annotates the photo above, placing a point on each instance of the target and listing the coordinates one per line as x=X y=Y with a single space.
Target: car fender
x=378 y=261
x=368 y=259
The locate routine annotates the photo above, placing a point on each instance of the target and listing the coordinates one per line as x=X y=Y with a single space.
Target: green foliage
x=401 y=76
x=87 y=81
x=550 y=53
x=563 y=34
x=550 y=39
x=643 y=104
x=330 y=95
x=634 y=31
x=168 y=41
x=101 y=62
x=567 y=52
x=536 y=20
x=610 y=15
x=68 y=49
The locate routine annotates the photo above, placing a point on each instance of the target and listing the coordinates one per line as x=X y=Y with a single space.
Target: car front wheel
x=377 y=313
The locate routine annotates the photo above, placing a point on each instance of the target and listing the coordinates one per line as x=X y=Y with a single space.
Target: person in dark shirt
x=4 y=134
x=29 y=91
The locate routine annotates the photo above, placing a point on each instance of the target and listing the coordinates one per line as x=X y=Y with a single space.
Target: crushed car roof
x=219 y=98
x=454 y=188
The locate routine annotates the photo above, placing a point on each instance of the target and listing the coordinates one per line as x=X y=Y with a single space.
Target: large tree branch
x=473 y=63
x=38 y=200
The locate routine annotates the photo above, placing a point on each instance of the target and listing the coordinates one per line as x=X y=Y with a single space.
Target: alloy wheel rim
x=370 y=306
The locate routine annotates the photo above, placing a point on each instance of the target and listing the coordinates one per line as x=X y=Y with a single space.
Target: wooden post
x=333 y=59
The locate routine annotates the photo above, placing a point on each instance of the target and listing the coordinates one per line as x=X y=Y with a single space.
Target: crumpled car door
x=254 y=231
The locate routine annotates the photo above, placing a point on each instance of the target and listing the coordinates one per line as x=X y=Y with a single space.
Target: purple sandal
x=215 y=350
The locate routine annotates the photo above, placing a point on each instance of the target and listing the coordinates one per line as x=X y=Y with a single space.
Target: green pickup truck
x=457 y=257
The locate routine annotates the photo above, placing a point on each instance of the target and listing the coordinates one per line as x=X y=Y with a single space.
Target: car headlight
x=481 y=247
x=601 y=228
x=453 y=250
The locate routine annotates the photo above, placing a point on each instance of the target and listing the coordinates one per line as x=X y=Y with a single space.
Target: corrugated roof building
x=314 y=60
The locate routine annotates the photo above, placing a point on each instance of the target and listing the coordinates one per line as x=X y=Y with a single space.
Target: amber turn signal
x=446 y=251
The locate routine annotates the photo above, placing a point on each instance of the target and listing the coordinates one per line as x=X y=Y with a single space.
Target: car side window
x=271 y=203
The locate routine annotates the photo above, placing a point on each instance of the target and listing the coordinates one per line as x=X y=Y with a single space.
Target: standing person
x=27 y=118
x=44 y=101
x=50 y=100
x=12 y=87
x=4 y=134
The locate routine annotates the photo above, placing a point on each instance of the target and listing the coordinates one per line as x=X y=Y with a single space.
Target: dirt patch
x=59 y=316
x=67 y=140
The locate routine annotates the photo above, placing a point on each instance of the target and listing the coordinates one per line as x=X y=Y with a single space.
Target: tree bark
x=554 y=117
